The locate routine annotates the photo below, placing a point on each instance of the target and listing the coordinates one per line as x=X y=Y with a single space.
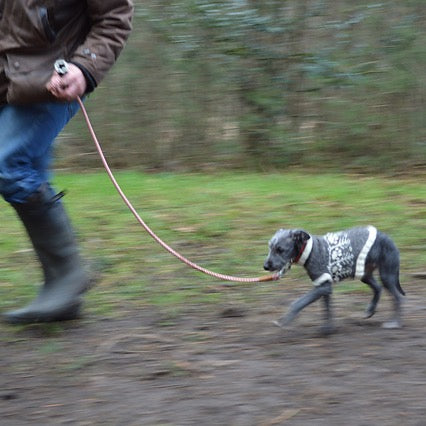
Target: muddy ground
x=220 y=365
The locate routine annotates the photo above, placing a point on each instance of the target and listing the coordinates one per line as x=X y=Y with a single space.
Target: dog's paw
x=327 y=330
x=369 y=312
x=279 y=323
x=392 y=324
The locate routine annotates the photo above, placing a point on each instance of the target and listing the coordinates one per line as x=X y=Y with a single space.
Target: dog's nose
x=266 y=266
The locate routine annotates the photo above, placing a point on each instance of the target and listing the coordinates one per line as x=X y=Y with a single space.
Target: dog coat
x=339 y=255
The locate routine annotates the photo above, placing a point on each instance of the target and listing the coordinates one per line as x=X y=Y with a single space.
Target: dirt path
x=220 y=365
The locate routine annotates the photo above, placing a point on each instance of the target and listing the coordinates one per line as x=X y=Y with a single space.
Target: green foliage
x=264 y=84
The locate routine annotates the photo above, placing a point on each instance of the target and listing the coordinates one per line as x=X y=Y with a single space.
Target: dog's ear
x=300 y=236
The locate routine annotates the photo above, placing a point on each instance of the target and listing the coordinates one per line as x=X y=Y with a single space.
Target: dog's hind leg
x=323 y=290
x=388 y=263
x=377 y=290
x=391 y=283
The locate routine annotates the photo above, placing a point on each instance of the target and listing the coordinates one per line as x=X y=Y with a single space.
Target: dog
x=327 y=259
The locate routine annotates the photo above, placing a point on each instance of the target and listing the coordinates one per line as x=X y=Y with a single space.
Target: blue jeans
x=27 y=134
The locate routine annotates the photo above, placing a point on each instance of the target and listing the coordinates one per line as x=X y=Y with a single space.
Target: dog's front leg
x=328 y=326
x=323 y=290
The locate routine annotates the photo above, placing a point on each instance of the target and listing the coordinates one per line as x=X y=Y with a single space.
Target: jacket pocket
x=27 y=26
x=27 y=77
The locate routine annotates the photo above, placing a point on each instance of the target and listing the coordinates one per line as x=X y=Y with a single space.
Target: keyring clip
x=61 y=67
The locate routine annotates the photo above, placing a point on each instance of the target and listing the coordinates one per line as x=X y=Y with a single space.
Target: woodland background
x=263 y=85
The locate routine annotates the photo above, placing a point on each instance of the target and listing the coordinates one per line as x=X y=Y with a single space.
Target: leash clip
x=284 y=269
x=61 y=67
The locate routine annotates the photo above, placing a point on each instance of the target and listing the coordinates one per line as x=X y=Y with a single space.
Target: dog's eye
x=279 y=250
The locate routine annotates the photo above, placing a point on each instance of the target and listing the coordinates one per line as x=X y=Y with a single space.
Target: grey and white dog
x=353 y=253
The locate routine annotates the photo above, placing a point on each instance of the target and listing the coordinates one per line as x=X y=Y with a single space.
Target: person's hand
x=69 y=86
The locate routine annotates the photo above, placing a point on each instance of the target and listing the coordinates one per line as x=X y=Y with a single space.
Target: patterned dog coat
x=339 y=255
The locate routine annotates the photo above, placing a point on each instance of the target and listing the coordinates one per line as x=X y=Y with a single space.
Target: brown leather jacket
x=35 y=33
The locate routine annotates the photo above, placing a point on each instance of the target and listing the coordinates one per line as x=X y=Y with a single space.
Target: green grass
x=221 y=221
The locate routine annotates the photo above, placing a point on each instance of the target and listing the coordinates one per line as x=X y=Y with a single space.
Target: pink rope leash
x=150 y=231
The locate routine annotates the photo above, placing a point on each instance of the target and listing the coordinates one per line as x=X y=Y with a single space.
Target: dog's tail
x=398 y=286
x=390 y=261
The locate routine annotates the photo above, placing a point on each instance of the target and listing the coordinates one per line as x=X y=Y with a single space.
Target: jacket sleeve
x=110 y=27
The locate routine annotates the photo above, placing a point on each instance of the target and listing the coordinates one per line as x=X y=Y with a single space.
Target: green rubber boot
x=65 y=278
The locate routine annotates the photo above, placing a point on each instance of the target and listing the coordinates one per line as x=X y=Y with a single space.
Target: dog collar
x=304 y=253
